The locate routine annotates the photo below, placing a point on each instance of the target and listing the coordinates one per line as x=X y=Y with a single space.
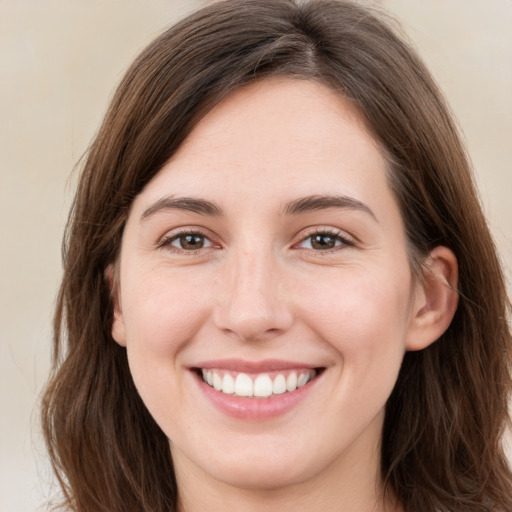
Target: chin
x=262 y=476
x=270 y=464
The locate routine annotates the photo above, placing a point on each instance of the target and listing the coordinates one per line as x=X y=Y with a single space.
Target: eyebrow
x=320 y=202
x=295 y=207
x=190 y=204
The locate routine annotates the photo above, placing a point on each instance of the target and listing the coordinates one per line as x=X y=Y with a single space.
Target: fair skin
x=270 y=245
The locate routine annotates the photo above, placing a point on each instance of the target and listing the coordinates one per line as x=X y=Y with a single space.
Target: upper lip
x=265 y=365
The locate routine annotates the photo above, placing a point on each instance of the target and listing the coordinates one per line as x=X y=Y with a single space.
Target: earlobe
x=118 y=329
x=436 y=299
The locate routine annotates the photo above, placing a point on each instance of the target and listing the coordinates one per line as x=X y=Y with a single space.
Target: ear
x=118 y=328
x=435 y=301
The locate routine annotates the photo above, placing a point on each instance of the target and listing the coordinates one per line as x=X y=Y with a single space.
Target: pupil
x=323 y=242
x=192 y=242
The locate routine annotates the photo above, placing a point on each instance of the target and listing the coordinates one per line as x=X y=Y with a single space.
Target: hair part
x=441 y=448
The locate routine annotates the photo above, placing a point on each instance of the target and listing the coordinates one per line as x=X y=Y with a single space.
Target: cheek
x=369 y=336
x=161 y=316
x=364 y=317
x=161 y=312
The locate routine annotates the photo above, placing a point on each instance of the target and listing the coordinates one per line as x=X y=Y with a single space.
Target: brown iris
x=323 y=242
x=191 y=242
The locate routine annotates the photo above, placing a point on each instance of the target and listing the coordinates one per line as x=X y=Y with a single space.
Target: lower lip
x=256 y=409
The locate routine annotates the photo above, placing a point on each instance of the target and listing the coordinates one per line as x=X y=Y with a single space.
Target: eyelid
x=165 y=241
x=346 y=239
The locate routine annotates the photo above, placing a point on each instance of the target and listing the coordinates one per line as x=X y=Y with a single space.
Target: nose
x=251 y=304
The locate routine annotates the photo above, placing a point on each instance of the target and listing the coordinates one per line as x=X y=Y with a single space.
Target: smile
x=262 y=385
x=256 y=391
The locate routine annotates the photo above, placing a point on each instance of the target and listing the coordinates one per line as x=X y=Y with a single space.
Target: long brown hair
x=441 y=446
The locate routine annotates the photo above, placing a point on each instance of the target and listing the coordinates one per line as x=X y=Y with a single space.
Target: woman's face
x=268 y=255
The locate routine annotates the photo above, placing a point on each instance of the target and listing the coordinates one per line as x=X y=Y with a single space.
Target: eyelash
x=167 y=241
x=333 y=233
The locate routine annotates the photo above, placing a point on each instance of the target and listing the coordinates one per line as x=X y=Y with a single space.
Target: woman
x=280 y=291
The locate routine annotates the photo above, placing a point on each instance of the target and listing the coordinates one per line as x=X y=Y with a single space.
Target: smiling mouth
x=260 y=385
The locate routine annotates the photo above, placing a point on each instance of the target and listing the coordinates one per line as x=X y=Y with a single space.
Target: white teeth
x=228 y=384
x=217 y=382
x=243 y=385
x=279 y=385
x=291 y=382
x=303 y=378
x=262 y=386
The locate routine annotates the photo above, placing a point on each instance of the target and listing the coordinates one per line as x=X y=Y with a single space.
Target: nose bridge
x=252 y=305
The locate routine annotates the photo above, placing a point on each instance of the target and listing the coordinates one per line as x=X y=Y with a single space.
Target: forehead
x=278 y=113
x=276 y=139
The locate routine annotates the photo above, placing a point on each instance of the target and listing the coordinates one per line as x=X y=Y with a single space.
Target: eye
x=189 y=241
x=324 y=241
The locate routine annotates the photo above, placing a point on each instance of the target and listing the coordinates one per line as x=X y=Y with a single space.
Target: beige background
x=59 y=62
